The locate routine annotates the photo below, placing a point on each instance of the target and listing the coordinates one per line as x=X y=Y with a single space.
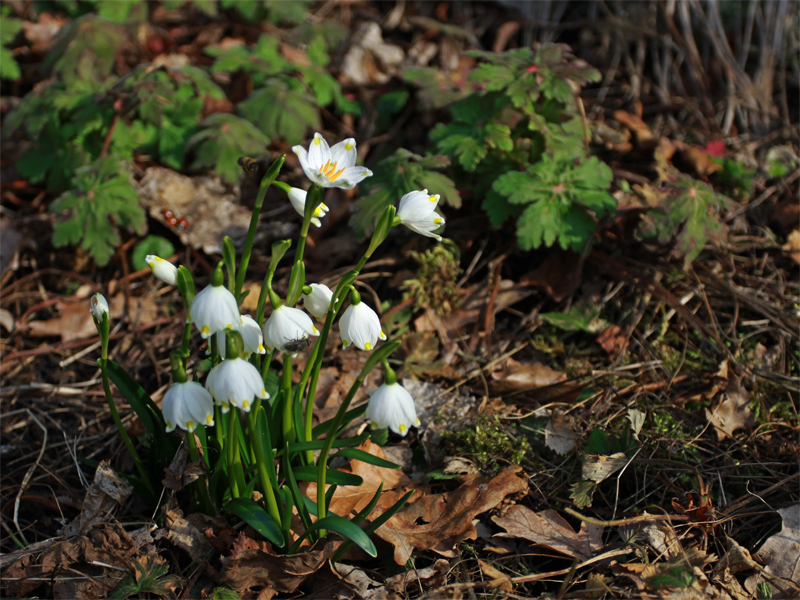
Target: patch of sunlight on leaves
x=101 y=199
x=395 y=176
x=222 y=139
x=281 y=110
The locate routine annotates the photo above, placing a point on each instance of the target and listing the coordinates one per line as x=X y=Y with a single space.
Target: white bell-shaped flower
x=235 y=382
x=298 y=199
x=252 y=338
x=318 y=301
x=287 y=328
x=331 y=167
x=187 y=405
x=98 y=306
x=360 y=326
x=417 y=211
x=392 y=406
x=215 y=309
x=163 y=269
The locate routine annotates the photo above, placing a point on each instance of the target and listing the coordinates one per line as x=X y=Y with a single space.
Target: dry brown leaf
x=518 y=377
x=440 y=521
x=780 y=555
x=254 y=565
x=792 y=245
x=640 y=129
x=695 y=160
x=42 y=33
x=613 y=340
x=499 y=580
x=598 y=468
x=184 y=534
x=107 y=492
x=732 y=413
x=549 y=530
x=428 y=578
x=735 y=559
x=370 y=59
x=558 y=434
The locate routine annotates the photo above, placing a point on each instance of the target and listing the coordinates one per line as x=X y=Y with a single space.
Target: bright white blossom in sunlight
x=331 y=167
x=215 y=309
x=417 y=211
x=392 y=406
x=235 y=382
x=360 y=326
x=187 y=405
x=318 y=301
x=98 y=306
x=286 y=329
x=252 y=338
x=298 y=199
x=163 y=269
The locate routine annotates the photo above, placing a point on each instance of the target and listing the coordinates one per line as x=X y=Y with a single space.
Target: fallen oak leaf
x=440 y=521
x=780 y=556
x=548 y=529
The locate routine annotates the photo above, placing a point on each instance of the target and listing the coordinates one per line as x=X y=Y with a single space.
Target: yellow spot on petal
x=438 y=221
x=433 y=198
x=317 y=141
x=205 y=330
x=314 y=329
x=417 y=422
x=349 y=146
x=170 y=425
x=209 y=419
x=189 y=425
x=264 y=393
x=374 y=425
x=368 y=346
x=345 y=343
x=246 y=404
x=261 y=349
x=403 y=428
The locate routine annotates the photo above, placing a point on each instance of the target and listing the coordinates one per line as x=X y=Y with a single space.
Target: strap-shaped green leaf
x=309 y=473
x=348 y=416
x=253 y=514
x=144 y=407
x=298 y=497
x=303 y=446
x=353 y=533
x=366 y=457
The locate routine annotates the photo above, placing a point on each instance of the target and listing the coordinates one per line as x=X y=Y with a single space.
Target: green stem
x=233 y=443
x=286 y=395
x=199 y=486
x=261 y=462
x=219 y=427
x=309 y=400
x=120 y=427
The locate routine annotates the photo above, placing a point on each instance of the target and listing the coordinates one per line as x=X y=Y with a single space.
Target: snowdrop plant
x=245 y=438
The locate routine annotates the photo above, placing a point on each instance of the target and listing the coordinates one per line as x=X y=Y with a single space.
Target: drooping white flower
x=286 y=327
x=417 y=211
x=235 y=382
x=187 y=405
x=318 y=301
x=215 y=309
x=298 y=199
x=163 y=269
x=331 y=167
x=98 y=306
x=360 y=326
x=252 y=338
x=392 y=406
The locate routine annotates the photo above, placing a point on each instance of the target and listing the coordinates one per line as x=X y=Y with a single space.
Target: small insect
x=182 y=224
x=169 y=217
x=295 y=346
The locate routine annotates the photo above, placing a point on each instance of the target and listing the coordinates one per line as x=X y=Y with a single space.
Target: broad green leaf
x=152 y=244
x=222 y=140
x=366 y=457
x=281 y=112
x=253 y=514
x=310 y=473
x=348 y=530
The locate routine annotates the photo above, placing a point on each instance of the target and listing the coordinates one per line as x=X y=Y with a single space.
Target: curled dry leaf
x=792 y=245
x=184 y=534
x=429 y=578
x=345 y=582
x=519 y=377
x=732 y=413
x=598 y=468
x=498 y=579
x=107 y=492
x=549 y=530
x=370 y=59
x=440 y=521
x=558 y=434
x=613 y=340
x=780 y=556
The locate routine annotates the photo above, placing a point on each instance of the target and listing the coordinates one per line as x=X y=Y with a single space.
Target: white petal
x=237 y=382
x=163 y=269
x=393 y=407
x=344 y=153
x=286 y=325
x=318 y=152
x=318 y=301
x=215 y=309
x=187 y=405
x=360 y=326
x=98 y=306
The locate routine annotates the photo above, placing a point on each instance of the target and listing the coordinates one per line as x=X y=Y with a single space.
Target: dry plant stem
x=618 y=522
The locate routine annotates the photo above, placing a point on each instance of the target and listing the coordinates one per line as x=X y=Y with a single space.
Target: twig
x=27 y=478
x=629 y=520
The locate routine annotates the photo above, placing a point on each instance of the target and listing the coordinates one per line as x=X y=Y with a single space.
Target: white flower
x=98 y=306
x=285 y=327
x=187 y=405
x=298 y=199
x=361 y=326
x=215 y=309
x=318 y=301
x=417 y=211
x=252 y=339
x=235 y=381
x=163 y=269
x=331 y=167
x=392 y=406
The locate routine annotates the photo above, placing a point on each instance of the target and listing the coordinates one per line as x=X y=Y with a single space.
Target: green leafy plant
x=562 y=199
x=434 y=285
x=487 y=444
x=687 y=211
x=152 y=244
x=281 y=109
x=150 y=576
x=520 y=145
x=399 y=174
x=101 y=202
x=9 y=69
x=222 y=139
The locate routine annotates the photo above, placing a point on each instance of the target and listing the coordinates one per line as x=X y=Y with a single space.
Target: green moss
x=434 y=286
x=488 y=445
